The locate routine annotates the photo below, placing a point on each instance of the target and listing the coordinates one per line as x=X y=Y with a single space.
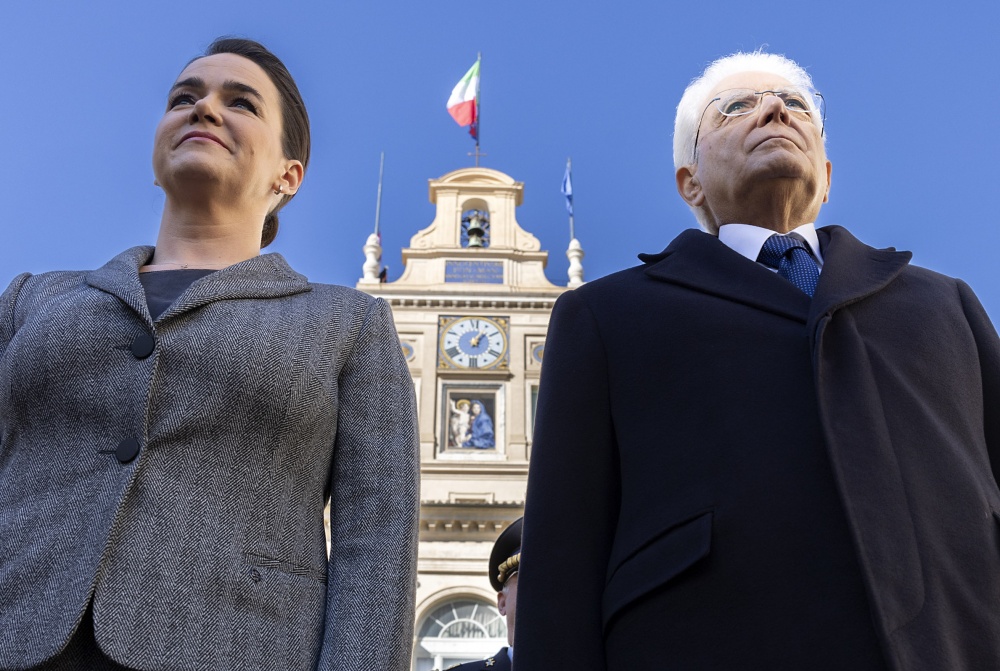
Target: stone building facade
x=471 y=307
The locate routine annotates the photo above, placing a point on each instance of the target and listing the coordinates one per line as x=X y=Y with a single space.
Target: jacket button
x=255 y=575
x=126 y=450
x=142 y=346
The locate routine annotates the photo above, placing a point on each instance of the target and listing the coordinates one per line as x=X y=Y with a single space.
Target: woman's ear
x=291 y=178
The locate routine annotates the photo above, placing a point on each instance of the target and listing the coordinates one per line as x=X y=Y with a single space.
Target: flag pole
x=479 y=109
x=378 y=202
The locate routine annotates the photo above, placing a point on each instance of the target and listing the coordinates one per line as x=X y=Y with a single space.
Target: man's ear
x=829 y=170
x=502 y=603
x=689 y=187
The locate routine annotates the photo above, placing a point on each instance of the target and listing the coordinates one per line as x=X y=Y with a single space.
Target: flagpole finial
x=373 y=257
x=575 y=256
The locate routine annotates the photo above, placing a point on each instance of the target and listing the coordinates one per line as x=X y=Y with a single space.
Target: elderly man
x=504 y=563
x=770 y=446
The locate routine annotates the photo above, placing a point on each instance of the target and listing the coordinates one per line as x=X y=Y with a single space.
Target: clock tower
x=471 y=307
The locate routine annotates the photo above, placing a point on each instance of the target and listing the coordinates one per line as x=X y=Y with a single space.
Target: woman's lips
x=201 y=136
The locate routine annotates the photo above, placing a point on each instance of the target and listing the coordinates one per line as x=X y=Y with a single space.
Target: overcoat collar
x=264 y=276
x=851 y=271
x=700 y=261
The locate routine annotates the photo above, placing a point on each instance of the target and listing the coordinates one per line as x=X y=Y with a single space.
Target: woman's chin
x=192 y=177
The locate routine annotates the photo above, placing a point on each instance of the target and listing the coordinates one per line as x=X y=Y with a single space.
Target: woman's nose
x=205 y=108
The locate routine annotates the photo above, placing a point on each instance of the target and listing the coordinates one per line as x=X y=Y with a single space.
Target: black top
x=162 y=287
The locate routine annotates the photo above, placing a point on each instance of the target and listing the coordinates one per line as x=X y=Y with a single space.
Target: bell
x=476 y=230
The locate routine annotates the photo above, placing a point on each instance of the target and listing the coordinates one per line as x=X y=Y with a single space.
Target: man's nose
x=772 y=108
x=205 y=108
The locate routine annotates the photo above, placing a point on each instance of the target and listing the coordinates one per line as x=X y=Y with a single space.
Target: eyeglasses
x=744 y=102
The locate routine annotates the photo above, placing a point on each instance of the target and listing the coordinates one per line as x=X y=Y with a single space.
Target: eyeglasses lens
x=738 y=102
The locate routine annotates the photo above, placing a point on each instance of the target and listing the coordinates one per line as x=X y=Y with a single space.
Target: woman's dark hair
x=295 y=138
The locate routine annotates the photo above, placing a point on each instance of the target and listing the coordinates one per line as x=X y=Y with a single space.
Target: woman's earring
x=278 y=191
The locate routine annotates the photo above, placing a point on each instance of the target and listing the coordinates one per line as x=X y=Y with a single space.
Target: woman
x=172 y=424
x=481 y=431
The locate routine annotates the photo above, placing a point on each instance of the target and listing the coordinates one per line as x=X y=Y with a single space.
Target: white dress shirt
x=747 y=240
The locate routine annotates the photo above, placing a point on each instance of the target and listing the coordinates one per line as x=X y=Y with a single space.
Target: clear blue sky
x=914 y=128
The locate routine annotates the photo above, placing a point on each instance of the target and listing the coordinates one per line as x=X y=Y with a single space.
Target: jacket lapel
x=120 y=278
x=264 y=276
x=701 y=262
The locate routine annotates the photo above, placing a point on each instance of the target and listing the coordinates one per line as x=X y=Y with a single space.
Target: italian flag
x=462 y=103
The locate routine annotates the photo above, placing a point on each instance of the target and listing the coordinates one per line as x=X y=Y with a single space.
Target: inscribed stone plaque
x=477 y=272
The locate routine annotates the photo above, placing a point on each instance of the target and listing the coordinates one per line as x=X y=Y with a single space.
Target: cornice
x=466 y=521
x=436 y=302
x=490 y=468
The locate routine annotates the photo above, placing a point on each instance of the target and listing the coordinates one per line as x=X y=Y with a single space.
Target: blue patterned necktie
x=792 y=258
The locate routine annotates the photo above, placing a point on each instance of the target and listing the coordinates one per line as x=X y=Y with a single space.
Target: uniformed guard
x=504 y=562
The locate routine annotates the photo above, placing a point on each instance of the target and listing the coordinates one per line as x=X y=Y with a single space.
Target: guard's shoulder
x=469 y=666
x=481 y=665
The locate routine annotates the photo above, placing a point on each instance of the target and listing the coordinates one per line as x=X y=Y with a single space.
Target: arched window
x=458 y=631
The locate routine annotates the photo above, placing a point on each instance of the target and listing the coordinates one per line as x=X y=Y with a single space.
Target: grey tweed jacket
x=261 y=396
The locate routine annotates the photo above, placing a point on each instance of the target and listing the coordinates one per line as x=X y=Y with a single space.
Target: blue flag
x=567 y=188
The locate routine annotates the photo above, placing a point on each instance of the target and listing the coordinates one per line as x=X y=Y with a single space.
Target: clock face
x=473 y=342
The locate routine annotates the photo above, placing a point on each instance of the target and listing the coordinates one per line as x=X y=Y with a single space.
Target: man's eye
x=181 y=99
x=796 y=104
x=737 y=106
x=243 y=103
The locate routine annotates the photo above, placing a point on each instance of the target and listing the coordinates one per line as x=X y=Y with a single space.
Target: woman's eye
x=243 y=103
x=182 y=99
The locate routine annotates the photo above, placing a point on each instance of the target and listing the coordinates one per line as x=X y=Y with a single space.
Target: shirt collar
x=747 y=240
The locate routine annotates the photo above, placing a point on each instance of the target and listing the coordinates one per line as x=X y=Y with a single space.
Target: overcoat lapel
x=702 y=262
x=851 y=271
x=264 y=276
x=868 y=472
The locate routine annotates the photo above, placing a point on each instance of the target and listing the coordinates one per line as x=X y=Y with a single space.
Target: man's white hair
x=696 y=95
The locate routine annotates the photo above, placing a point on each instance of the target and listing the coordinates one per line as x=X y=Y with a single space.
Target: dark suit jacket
x=260 y=396
x=498 y=662
x=726 y=474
